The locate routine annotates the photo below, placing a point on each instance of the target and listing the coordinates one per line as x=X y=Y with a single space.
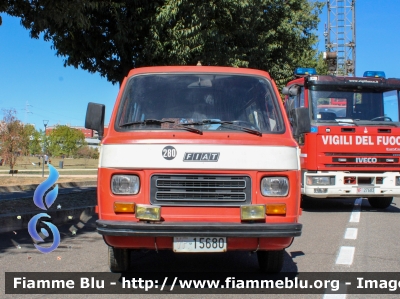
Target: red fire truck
x=353 y=147
x=198 y=159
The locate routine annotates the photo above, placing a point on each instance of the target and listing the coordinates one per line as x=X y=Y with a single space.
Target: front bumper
x=201 y=229
x=387 y=188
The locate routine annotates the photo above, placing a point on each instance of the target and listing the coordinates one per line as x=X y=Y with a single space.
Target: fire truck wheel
x=304 y=199
x=118 y=259
x=270 y=261
x=380 y=202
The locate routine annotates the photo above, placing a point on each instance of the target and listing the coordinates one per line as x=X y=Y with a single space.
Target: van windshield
x=169 y=101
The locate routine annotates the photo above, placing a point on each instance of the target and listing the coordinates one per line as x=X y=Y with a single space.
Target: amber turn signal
x=124 y=207
x=276 y=209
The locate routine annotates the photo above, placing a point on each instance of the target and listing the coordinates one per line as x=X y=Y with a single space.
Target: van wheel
x=118 y=259
x=270 y=261
x=380 y=202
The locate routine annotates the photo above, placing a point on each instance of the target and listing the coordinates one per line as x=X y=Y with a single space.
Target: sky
x=34 y=81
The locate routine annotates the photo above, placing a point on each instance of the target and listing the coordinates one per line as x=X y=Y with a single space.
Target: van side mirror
x=95 y=118
x=285 y=90
x=291 y=90
x=301 y=121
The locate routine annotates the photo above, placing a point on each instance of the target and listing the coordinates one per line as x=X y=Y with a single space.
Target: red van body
x=197 y=159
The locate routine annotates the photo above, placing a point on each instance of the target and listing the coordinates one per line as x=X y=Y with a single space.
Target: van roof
x=198 y=69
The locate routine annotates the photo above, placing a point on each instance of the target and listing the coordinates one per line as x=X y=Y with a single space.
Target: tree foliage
x=112 y=37
x=322 y=66
x=14 y=139
x=276 y=36
x=35 y=140
x=17 y=139
x=64 y=140
x=86 y=152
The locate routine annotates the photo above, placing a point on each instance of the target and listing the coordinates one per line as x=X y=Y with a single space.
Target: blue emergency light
x=304 y=71
x=376 y=74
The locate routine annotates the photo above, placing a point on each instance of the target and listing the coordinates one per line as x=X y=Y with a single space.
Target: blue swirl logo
x=43 y=200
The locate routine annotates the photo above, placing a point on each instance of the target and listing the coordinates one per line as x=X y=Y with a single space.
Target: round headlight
x=274 y=186
x=125 y=184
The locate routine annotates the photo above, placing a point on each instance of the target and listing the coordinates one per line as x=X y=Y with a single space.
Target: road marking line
x=346 y=255
x=351 y=233
x=355 y=215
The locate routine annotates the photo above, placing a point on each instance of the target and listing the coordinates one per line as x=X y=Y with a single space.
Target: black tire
x=380 y=202
x=118 y=259
x=270 y=261
x=304 y=199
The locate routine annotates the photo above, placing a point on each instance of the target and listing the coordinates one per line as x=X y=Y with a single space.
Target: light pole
x=45 y=122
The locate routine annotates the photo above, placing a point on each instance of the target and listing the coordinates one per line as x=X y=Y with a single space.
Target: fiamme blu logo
x=43 y=199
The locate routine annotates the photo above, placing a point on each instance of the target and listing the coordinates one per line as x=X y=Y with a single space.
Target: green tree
x=35 y=145
x=112 y=37
x=86 y=153
x=13 y=138
x=271 y=35
x=322 y=66
x=34 y=137
x=64 y=140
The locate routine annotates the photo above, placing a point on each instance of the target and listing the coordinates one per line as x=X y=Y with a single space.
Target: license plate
x=199 y=244
x=366 y=190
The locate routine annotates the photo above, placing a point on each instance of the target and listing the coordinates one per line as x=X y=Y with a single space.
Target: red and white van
x=197 y=159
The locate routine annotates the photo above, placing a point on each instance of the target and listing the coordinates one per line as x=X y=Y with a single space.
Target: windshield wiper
x=147 y=122
x=159 y=122
x=224 y=123
x=358 y=122
x=376 y=123
x=340 y=122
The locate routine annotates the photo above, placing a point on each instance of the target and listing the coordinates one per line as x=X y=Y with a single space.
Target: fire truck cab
x=198 y=159
x=353 y=147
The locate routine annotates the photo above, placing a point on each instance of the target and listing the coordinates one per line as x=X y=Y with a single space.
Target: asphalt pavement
x=326 y=224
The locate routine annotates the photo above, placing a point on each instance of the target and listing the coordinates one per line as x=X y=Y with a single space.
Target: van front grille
x=200 y=190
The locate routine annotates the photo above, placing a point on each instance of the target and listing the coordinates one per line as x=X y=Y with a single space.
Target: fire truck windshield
x=179 y=101
x=364 y=105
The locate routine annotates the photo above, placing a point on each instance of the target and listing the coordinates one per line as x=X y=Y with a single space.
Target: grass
x=46 y=170
x=25 y=163
x=74 y=170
